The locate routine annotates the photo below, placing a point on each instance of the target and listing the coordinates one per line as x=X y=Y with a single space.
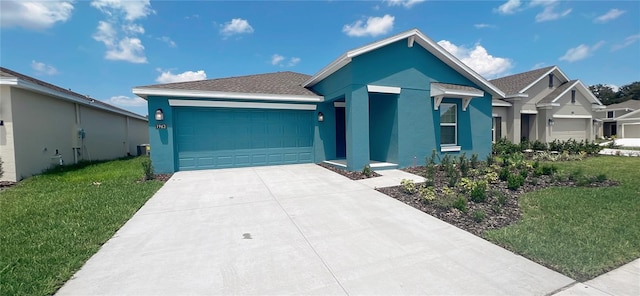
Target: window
x=497 y=128
x=551 y=80
x=609 y=114
x=573 y=96
x=448 y=124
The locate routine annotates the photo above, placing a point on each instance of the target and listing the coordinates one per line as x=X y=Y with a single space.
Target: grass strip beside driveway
x=581 y=232
x=52 y=223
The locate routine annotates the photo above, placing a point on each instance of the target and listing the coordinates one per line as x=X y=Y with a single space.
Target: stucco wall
x=581 y=107
x=540 y=90
x=6 y=135
x=502 y=113
x=40 y=125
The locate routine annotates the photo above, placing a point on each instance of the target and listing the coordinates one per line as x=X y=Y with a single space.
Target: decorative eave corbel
x=436 y=102
x=411 y=40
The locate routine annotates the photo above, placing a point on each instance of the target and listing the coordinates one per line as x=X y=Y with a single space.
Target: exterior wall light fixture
x=159 y=115
x=551 y=122
x=320 y=117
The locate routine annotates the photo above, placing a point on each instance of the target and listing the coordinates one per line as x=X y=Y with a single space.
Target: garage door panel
x=224 y=138
x=569 y=128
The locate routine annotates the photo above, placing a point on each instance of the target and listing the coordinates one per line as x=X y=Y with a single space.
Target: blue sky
x=104 y=48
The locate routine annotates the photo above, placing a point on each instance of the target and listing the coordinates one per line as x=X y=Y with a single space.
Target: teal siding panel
x=210 y=138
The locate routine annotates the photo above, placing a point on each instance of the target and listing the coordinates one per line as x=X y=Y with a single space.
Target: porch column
x=357 y=115
x=513 y=121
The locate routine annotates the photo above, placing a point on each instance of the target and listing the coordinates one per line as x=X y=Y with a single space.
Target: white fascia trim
x=599 y=108
x=634 y=113
x=564 y=92
x=500 y=103
x=244 y=105
x=421 y=39
x=528 y=111
x=450 y=148
x=633 y=123
x=587 y=93
x=144 y=92
x=547 y=105
x=8 y=81
x=438 y=93
x=19 y=83
x=383 y=89
x=573 y=116
x=566 y=78
x=516 y=96
x=340 y=104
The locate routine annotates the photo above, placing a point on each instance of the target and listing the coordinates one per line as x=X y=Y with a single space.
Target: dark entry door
x=341 y=133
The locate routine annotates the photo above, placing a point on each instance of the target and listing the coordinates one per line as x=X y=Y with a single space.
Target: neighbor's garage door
x=573 y=128
x=631 y=130
x=209 y=138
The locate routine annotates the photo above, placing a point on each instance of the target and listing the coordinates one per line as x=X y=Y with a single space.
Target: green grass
x=581 y=232
x=52 y=223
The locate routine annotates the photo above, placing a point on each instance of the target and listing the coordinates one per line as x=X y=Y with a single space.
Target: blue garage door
x=208 y=138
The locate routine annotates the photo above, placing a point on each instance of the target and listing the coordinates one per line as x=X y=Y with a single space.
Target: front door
x=341 y=133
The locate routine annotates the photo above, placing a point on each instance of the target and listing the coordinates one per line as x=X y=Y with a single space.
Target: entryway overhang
x=441 y=90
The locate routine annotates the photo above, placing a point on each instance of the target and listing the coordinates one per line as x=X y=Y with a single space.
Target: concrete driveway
x=297 y=229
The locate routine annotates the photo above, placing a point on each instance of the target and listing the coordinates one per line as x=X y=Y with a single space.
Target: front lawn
x=581 y=232
x=52 y=223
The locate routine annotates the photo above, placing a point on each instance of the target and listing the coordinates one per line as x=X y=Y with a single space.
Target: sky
x=104 y=48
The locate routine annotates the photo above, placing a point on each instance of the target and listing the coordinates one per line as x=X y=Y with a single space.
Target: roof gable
x=521 y=82
x=629 y=104
x=413 y=37
x=557 y=93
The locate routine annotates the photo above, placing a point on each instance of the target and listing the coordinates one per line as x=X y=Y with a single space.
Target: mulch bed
x=349 y=174
x=496 y=215
x=6 y=184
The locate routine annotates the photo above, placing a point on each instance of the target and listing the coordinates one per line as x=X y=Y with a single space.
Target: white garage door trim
x=573 y=116
x=243 y=105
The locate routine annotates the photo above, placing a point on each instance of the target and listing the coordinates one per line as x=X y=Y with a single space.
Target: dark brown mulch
x=163 y=177
x=6 y=184
x=495 y=215
x=349 y=174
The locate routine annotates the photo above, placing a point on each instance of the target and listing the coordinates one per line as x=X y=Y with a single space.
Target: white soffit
x=339 y=104
x=440 y=90
x=500 y=103
x=383 y=89
x=528 y=111
x=244 y=105
x=144 y=92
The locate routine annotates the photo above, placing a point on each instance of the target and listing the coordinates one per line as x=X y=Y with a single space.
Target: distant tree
x=604 y=93
x=629 y=92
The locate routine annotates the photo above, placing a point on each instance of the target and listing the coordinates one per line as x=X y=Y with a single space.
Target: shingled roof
x=281 y=83
x=513 y=84
x=6 y=73
x=629 y=104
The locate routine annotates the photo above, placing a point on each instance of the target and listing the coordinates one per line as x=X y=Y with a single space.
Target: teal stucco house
x=387 y=104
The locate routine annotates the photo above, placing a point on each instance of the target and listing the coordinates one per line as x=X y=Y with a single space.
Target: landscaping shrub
x=460 y=203
x=478 y=215
x=504 y=147
x=408 y=186
x=491 y=177
x=500 y=197
x=539 y=146
x=490 y=159
x=479 y=191
x=504 y=174
x=367 y=172
x=515 y=181
x=428 y=194
x=549 y=169
x=474 y=161
x=463 y=165
x=147 y=167
x=601 y=178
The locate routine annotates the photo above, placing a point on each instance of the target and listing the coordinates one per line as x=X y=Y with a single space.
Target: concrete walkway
x=298 y=229
x=619 y=282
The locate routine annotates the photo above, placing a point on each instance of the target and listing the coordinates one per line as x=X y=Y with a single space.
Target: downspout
x=76 y=134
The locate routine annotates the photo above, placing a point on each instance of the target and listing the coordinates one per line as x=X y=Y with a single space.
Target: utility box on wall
x=144 y=149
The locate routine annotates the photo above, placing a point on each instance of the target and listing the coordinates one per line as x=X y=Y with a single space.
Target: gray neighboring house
x=42 y=125
x=621 y=120
x=544 y=105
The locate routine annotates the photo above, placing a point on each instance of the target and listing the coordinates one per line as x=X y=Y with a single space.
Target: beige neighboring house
x=621 y=120
x=544 y=105
x=42 y=125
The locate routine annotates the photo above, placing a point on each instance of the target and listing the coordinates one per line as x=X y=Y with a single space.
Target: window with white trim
x=609 y=114
x=448 y=124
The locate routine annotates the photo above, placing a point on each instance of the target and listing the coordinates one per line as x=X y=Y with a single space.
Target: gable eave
x=555 y=68
x=426 y=43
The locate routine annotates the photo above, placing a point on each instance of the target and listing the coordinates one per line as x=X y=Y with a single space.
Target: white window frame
x=454 y=146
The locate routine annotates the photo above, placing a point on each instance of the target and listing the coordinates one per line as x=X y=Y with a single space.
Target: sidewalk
x=618 y=282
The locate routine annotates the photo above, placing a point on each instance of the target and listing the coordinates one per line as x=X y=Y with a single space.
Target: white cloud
x=276 y=59
x=35 y=15
x=482 y=26
x=580 y=52
x=509 y=7
x=168 y=77
x=405 y=3
x=375 y=26
x=478 y=59
x=613 y=87
x=132 y=9
x=279 y=60
x=119 y=32
x=549 y=13
x=236 y=26
x=627 y=41
x=610 y=15
x=129 y=50
x=539 y=65
x=167 y=40
x=127 y=101
x=43 y=69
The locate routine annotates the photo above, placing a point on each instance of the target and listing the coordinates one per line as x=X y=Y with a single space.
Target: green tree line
x=608 y=96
